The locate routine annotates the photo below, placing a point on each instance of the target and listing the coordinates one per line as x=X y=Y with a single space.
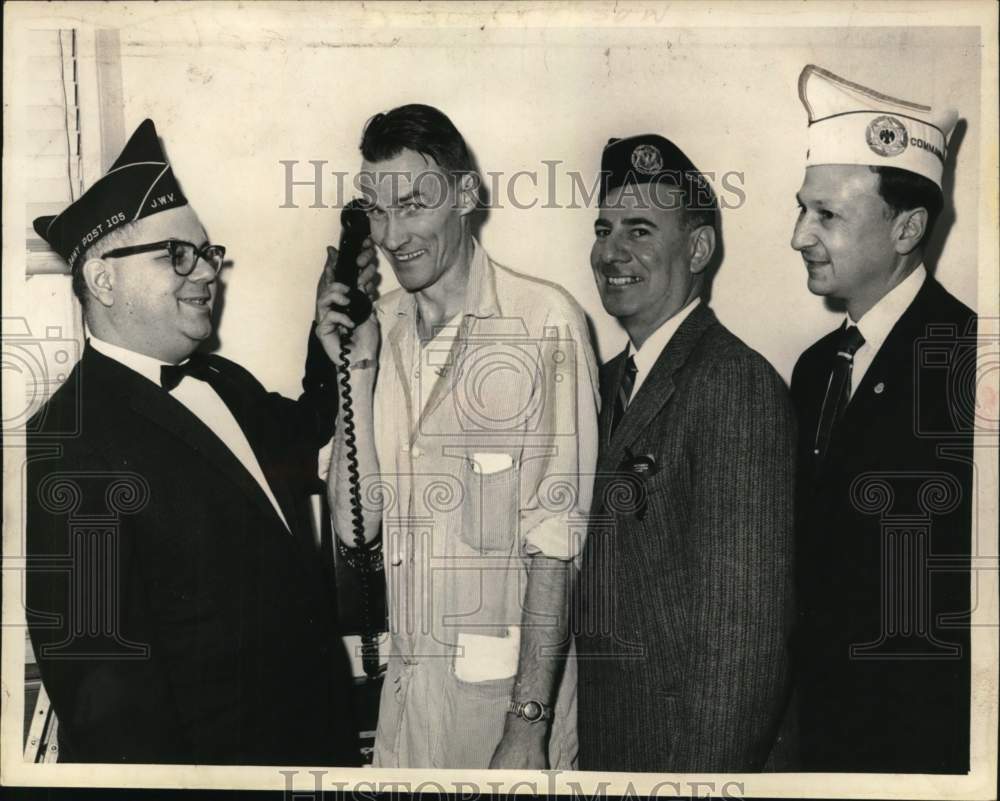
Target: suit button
x=416 y=452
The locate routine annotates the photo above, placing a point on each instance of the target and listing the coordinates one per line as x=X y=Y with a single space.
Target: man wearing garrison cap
x=686 y=579
x=885 y=414
x=177 y=609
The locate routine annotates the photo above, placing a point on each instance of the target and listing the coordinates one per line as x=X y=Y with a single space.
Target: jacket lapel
x=150 y=401
x=659 y=386
x=613 y=373
x=893 y=365
x=265 y=444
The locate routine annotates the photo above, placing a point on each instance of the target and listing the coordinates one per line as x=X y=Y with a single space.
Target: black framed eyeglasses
x=183 y=255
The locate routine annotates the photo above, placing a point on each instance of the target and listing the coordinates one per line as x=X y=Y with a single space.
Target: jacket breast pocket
x=490 y=513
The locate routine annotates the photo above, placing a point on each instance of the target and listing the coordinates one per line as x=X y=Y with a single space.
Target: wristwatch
x=531 y=711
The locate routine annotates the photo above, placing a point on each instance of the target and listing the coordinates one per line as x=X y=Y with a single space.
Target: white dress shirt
x=878 y=321
x=202 y=401
x=646 y=356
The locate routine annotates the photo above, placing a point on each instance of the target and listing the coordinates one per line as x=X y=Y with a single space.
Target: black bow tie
x=196 y=367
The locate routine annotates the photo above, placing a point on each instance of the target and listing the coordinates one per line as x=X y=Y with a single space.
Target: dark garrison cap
x=648 y=159
x=140 y=183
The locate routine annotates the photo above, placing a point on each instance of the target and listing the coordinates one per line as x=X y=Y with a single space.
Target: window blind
x=54 y=139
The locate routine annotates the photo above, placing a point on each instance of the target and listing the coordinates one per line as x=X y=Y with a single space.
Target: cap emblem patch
x=887 y=136
x=647 y=159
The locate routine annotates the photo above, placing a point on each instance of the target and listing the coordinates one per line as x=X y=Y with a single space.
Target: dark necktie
x=624 y=392
x=196 y=367
x=838 y=392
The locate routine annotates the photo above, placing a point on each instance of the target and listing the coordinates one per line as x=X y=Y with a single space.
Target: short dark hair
x=80 y=286
x=903 y=190
x=700 y=205
x=696 y=217
x=423 y=129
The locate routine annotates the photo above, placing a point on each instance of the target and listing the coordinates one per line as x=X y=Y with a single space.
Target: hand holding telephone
x=354 y=231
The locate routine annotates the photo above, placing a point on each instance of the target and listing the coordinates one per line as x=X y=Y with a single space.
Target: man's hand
x=331 y=321
x=522 y=747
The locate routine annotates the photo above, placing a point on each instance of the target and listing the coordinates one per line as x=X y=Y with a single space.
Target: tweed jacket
x=882 y=644
x=214 y=638
x=685 y=593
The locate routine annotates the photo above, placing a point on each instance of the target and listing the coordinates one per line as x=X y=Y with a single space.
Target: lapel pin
x=645 y=464
x=639 y=468
x=642 y=466
x=879 y=388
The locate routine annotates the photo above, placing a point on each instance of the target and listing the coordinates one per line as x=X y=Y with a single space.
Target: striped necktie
x=838 y=391
x=624 y=392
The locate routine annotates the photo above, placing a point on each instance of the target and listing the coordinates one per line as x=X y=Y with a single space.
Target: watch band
x=530 y=711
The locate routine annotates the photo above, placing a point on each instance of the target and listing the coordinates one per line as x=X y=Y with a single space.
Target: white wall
x=232 y=94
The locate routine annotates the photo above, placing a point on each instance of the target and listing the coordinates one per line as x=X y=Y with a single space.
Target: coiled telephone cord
x=369 y=639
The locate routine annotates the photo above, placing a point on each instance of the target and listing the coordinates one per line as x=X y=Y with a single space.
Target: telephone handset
x=366 y=558
x=354 y=230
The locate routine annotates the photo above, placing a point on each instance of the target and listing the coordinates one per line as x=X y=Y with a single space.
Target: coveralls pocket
x=490 y=511
x=474 y=717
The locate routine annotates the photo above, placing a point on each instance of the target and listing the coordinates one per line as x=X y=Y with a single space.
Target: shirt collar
x=878 y=321
x=646 y=356
x=481 y=296
x=480 y=293
x=144 y=365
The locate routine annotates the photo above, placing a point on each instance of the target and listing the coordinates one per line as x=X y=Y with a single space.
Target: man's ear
x=909 y=229
x=702 y=244
x=468 y=193
x=100 y=280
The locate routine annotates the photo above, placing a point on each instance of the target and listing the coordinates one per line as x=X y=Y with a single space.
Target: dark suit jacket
x=174 y=617
x=685 y=589
x=882 y=535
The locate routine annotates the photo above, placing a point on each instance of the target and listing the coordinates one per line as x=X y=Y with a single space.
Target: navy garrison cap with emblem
x=852 y=124
x=139 y=183
x=649 y=158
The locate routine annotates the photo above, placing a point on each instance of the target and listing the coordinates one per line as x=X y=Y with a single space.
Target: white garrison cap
x=852 y=124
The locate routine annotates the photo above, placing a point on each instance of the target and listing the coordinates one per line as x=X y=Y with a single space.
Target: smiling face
x=142 y=304
x=846 y=235
x=646 y=260
x=417 y=218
